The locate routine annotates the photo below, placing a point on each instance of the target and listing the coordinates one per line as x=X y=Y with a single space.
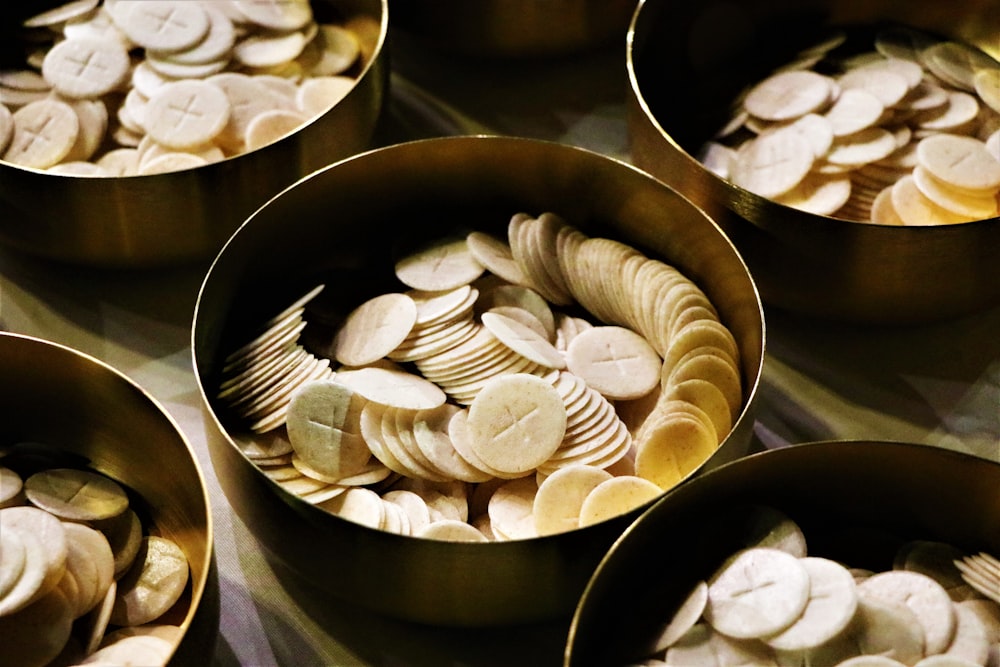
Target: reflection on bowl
x=342 y=227
x=804 y=262
x=166 y=218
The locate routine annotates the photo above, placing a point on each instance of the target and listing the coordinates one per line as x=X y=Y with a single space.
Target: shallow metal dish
x=855 y=501
x=514 y=28
x=338 y=227
x=163 y=219
x=683 y=75
x=67 y=407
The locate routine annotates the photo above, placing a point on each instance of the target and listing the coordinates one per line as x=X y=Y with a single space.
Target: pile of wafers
x=774 y=603
x=84 y=580
x=546 y=365
x=907 y=133
x=126 y=87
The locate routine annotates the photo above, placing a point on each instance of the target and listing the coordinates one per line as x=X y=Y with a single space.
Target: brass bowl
x=337 y=227
x=682 y=80
x=66 y=407
x=855 y=501
x=182 y=216
x=514 y=28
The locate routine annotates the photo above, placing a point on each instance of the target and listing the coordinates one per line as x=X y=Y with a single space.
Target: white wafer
x=756 y=593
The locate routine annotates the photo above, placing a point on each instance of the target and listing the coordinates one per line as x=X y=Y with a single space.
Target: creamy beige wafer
x=684 y=619
x=161 y=25
x=272 y=125
x=393 y=387
x=961 y=109
x=444 y=265
x=318 y=94
x=359 y=505
x=756 y=593
x=396 y=438
x=323 y=423
x=521 y=297
x=822 y=195
x=90 y=561
x=970 y=644
x=11 y=485
x=44 y=133
x=414 y=506
x=854 y=110
x=278 y=15
x=616 y=496
x=887 y=86
x=153 y=584
x=715 y=369
x=430 y=430
x=86 y=68
x=788 y=95
x=615 y=361
x=44 y=538
x=36 y=634
x=914 y=208
x=374 y=329
x=773 y=164
x=708 y=397
x=961 y=162
x=495 y=254
x=187 y=113
x=124 y=535
x=832 y=602
x=450 y=530
x=926 y=598
x=559 y=499
x=523 y=339
x=511 y=509
x=673 y=448
x=986 y=82
x=23 y=569
x=970 y=206
x=702 y=645
x=516 y=422
x=458 y=431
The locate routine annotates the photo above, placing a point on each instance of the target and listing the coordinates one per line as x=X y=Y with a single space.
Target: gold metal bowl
x=164 y=219
x=67 y=407
x=338 y=227
x=855 y=501
x=683 y=77
x=514 y=28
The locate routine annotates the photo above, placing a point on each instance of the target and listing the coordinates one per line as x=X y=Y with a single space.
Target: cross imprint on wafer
x=91 y=61
x=614 y=360
x=186 y=111
x=515 y=421
x=164 y=22
x=39 y=134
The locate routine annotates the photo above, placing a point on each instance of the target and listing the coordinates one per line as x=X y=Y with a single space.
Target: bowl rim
x=199 y=587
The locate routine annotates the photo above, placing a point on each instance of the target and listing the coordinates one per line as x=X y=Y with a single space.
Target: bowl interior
x=342 y=227
x=68 y=408
x=802 y=262
x=187 y=215
x=855 y=501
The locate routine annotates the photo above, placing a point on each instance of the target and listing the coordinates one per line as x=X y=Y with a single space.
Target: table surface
x=935 y=384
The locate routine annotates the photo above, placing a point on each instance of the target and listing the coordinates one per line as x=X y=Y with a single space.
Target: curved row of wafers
x=477 y=308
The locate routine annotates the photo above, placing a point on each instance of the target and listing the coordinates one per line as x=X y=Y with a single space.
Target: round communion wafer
x=616 y=496
x=442 y=266
x=374 y=329
x=153 y=584
x=615 y=361
x=926 y=598
x=559 y=500
x=516 y=422
x=76 y=495
x=757 y=592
